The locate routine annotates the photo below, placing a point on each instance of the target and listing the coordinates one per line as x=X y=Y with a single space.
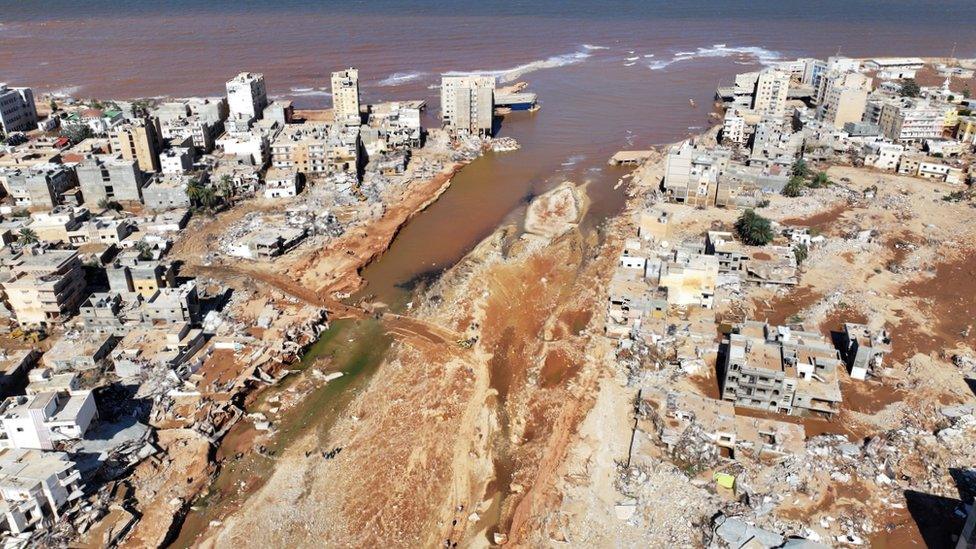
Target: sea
x=610 y=75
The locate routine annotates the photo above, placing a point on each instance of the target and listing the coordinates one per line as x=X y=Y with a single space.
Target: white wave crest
x=67 y=91
x=508 y=75
x=591 y=47
x=399 y=78
x=742 y=53
x=308 y=92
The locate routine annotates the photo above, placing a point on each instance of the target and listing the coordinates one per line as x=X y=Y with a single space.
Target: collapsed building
x=781 y=369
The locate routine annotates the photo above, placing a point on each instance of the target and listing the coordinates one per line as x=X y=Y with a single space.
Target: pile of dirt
x=555 y=212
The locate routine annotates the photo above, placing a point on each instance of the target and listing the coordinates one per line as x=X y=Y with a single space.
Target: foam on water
x=399 y=78
x=744 y=54
x=508 y=75
x=66 y=91
x=308 y=92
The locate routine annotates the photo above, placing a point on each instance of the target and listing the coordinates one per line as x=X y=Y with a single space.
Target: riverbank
x=297 y=307
x=492 y=391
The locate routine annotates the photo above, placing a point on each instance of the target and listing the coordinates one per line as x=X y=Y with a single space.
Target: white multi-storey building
x=246 y=99
x=34 y=487
x=176 y=160
x=17 y=111
x=38 y=420
x=912 y=121
x=734 y=127
x=468 y=103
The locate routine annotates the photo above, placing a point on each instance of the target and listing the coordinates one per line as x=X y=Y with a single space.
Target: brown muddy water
x=609 y=76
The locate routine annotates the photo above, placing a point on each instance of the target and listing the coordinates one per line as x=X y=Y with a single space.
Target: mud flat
x=491 y=377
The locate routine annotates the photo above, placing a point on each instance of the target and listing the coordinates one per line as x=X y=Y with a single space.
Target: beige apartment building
x=468 y=104
x=345 y=97
x=772 y=87
x=139 y=140
x=845 y=99
x=45 y=286
x=315 y=148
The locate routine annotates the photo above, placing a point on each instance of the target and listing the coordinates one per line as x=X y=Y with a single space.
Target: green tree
x=754 y=229
x=194 y=190
x=76 y=133
x=800 y=168
x=966 y=93
x=54 y=106
x=820 y=180
x=145 y=250
x=801 y=253
x=794 y=186
x=225 y=187
x=209 y=199
x=26 y=237
x=910 y=88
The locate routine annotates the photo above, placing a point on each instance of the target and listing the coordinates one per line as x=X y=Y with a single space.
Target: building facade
x=468 y=104
x=139 y=140
x=771 y=91
x=17 y=110
x=246 y=99
x=45 y=286
x=109 y=178
x=345 y=97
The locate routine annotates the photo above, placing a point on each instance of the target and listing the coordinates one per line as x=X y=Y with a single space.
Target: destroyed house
x=629 y=300
x=781 y=369
x=688 y=278
x=79 y=351
x=761 y=265
x=35 y=486
x=674 y=412
x=864 y=348
x=145 y=348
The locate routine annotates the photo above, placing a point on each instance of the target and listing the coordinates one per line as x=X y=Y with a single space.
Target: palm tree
x=208 y=198
x=226 y=186
x=194 y=190
x=144 y=249
x=800 y=168
x=26 y=237
x=103 y=204
x=820 y=180
x=754 y=229
x=793 y=186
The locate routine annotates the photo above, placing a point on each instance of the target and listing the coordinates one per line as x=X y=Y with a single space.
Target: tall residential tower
x=468 y=103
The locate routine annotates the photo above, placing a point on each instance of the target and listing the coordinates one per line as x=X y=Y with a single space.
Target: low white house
x=281 y=183
x=176 y=160
x=884 y=156
x=39 y=419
